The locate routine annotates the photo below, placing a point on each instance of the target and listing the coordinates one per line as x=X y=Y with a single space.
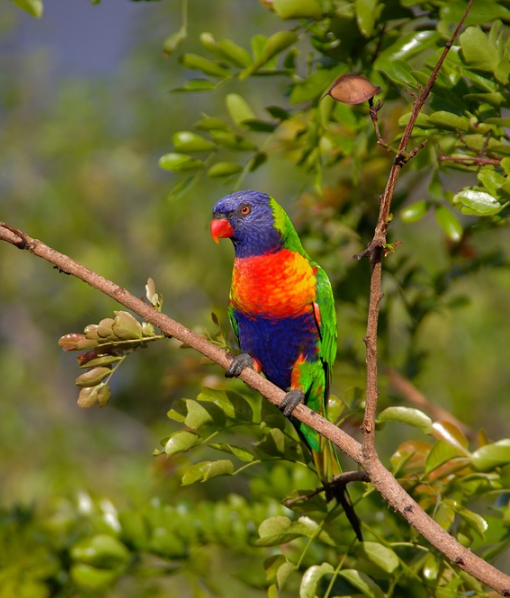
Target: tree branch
x=471 y=160
x=375 y=252
x=381 y=479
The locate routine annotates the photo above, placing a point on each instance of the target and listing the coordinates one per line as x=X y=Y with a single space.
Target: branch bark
x=381 y=479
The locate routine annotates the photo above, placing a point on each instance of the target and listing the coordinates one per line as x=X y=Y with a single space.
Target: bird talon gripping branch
x=238 y=364
x=291 y=400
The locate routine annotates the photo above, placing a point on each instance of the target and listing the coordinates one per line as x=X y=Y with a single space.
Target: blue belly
x=276 y=344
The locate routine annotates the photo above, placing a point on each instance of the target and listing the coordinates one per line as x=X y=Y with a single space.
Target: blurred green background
x=80 y=140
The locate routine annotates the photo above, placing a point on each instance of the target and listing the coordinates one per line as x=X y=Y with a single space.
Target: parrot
x=282 y=310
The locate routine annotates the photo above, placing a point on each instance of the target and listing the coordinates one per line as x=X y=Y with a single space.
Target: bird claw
x=238 y=364
x=291 y=400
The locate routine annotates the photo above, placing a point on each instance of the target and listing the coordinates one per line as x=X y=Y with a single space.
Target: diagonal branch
x=381 y=479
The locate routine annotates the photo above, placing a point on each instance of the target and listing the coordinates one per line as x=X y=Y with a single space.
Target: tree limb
x=381 y=479
x=375 y=251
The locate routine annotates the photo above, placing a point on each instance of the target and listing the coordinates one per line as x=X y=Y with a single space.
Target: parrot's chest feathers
x=273 y=285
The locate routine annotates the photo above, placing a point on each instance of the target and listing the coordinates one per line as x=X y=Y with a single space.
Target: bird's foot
x=238 y=364
x=291 y=400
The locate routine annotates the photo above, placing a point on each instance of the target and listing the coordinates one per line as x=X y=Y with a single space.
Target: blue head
x=251 y=219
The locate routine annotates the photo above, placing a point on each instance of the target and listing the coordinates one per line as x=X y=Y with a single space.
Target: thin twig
x=381 y=479
x=471 y=160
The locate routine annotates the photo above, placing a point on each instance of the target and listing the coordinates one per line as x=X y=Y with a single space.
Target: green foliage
x=107 y=344
x=233 y=506
x=33 y=7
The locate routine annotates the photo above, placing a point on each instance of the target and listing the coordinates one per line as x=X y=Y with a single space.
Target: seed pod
x=353 y=89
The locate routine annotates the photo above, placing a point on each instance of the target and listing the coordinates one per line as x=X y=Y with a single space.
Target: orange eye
x=245 y=210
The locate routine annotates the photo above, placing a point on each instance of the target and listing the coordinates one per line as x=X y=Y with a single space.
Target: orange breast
x=273 y=285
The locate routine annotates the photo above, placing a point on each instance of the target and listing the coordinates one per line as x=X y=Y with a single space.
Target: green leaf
x=234 y=53
x=181 y=442
x=496 y=99
x=260 y=126
x=478 y=203
x=399 y=71
x=407 y=415
x=447 y=120
x=275 y=444
x=444 y=515
x=295 y=9
x=173 y=41
x=312 y=577
x=430 y=567
x=491 y=180
x=479 y=14
x=178 y=411
x=238 y=451
x=473 y=520
x=440 y=453
x=196 y=85
x=217 y=468
x=125 y=326
x=493 y=455
x=415 y=211
x=207 y=470
x=477 y=51
x=208 y=67
x=505 y=163
x=197 y=415
x=238 y=108
x=408 y=45
x=33 y=7
x=92 y=578
x=232 y=404
x=366 y=15
x=233 y=142
x=103 y=360
x=379 y=556
x=312 y=87
x=280 y=529
x=278 y=569
x=179 y=162
x=275 y=44
x=449 y=223
x=209 y=123
x=101 y=550
x=188 y=142
x=224 y=169
x=362 y=582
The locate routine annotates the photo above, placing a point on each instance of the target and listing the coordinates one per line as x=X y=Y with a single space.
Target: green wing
x=325 y=458
x=327 y=325
x=233 y=320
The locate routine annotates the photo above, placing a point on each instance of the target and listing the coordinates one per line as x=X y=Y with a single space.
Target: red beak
x=221 y=227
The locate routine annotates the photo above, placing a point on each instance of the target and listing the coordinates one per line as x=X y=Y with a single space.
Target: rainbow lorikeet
x=282 y=310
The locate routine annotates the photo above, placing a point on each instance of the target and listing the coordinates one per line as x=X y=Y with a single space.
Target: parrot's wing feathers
x=326 y=318
x=233 y=320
